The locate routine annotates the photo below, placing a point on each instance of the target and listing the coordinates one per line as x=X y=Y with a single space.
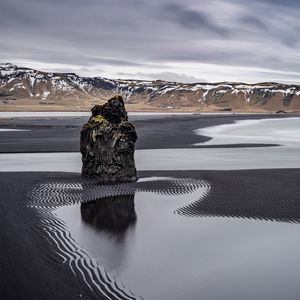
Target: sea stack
x=107 y=144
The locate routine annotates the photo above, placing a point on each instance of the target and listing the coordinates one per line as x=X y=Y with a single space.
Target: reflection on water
x=174 y=254
x=114 y=214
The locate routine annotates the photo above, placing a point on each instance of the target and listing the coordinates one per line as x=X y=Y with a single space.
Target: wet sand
x=61 y=134
x=34 y=264
x=41 y=258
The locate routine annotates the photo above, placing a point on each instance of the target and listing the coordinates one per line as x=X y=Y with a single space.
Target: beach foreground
x=215 y=233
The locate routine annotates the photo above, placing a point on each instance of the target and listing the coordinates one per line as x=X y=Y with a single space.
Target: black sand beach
x=154 y=132
x=33 y=265
x=32 y=269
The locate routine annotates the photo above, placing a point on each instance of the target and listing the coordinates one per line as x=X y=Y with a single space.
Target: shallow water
x=278 y=131
x=155 y=246
x=160 y=254
x=10 y=129
x=285 y=132
x=164 y=159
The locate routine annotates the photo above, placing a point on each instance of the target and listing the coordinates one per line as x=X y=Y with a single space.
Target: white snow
x=205 y=94
x=166 y=90
x=45 y=95
x=31 y=78
x=10 y=129
x=7 y=72
x=72 y=83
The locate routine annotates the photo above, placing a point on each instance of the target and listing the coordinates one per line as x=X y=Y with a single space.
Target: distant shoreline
x=38 y=114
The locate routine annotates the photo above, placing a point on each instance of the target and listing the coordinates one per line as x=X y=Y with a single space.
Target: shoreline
x=241 y=158
x=49 y=278
x=61 y=134
x=39 y=272
x=70 y=113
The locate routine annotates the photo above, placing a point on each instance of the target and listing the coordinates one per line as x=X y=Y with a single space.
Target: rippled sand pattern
x=279 y=203
x=57 y=193
x=47 y=196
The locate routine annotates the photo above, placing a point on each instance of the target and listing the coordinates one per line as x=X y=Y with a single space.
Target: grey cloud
x=42 y=55
x=167 y=76
x=253 y=21
x=115 y=62
x=287 y=3
x=192 y=19
x=112 y=34
x=14 y=17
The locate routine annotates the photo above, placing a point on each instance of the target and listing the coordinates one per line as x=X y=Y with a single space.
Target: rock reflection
x=114 y=214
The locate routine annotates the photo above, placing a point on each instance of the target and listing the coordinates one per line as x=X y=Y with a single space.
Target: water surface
x=160 y=254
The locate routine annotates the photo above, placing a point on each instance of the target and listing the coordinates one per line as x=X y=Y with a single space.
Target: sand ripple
x=49 y=195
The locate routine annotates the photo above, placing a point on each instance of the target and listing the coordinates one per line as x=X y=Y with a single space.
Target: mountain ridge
x=25 y=86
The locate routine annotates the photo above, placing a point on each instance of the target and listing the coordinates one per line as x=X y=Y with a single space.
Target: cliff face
x=70 y=89
x=107 y=144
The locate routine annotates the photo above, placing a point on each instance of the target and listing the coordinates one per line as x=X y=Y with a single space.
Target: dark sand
x=30 y=263
x=154 y=132
x=31 y=267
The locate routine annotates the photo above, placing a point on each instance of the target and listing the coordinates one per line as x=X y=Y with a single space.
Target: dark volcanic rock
x=113 y=111
x=107 y=144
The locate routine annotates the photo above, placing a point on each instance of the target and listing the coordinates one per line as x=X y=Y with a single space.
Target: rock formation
x=107 y=144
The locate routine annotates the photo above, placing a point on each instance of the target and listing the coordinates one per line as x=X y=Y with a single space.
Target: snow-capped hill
x=17 y=83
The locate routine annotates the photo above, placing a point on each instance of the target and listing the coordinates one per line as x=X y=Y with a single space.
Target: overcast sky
x=188 y=41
